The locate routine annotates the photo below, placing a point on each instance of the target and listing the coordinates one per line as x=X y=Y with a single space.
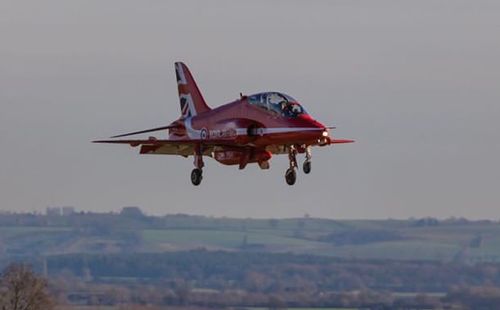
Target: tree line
x=275 y=272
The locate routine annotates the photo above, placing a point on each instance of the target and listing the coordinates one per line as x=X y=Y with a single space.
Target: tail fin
x=191 y=100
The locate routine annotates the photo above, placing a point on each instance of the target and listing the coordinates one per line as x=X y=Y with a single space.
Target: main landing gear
x=291 y=173
x=197 y=173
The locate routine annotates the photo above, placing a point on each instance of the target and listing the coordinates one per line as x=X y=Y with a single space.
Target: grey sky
x=416 y=83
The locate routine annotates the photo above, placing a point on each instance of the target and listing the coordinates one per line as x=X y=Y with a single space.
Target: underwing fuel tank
x=237 y=157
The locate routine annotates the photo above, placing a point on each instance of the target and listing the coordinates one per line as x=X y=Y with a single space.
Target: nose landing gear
x=307 y=163
x=291 y=173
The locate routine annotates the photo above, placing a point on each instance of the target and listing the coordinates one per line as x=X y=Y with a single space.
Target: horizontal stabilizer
x=143 y=131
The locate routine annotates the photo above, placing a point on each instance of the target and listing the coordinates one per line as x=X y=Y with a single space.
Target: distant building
x=131 y=212
x=67 y=210
x=53 y=211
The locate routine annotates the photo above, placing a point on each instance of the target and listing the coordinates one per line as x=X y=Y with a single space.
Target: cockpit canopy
x=277 y=103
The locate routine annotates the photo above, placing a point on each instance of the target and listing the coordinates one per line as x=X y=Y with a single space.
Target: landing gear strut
x=307 y=163
x=197 y=173
x=291 y=174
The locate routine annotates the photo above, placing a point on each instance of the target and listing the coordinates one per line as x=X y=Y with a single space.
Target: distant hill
x=172 y=260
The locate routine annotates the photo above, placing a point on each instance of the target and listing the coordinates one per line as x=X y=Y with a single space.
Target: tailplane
x=191 y=100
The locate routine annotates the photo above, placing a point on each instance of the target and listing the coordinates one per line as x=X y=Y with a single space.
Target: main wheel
x=307 y=167
x=196 y=176
x=290 y=176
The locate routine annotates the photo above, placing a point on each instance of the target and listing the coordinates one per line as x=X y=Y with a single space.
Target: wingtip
x=338 y=141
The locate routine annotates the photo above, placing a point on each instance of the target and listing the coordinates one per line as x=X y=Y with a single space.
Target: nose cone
x=307 y=121
x=310 y=129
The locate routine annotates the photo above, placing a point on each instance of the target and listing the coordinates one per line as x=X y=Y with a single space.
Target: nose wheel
x=306 y=167
x=196 y=176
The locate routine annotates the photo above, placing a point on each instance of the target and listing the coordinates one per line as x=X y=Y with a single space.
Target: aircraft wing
x=171 y=147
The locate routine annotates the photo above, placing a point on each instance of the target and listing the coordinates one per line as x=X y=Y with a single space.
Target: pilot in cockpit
x=290 y=109
x=282 y=103
x=286 y=108
x=277 y=103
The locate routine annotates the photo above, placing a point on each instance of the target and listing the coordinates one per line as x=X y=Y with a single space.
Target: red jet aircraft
x=248 y=130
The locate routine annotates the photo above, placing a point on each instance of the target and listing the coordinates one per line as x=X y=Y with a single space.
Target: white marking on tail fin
x=179 y=73
x=191 y=100
x=187 y=105
x=191 y=132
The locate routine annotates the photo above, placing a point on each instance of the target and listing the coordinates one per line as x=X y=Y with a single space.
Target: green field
x=463 y=241
x=222 y=238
